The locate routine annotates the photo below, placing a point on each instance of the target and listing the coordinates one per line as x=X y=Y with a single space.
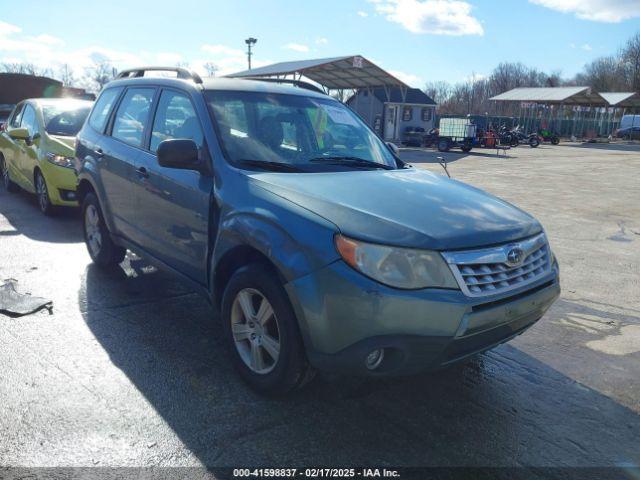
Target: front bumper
x=343 y=316
x=61 y=183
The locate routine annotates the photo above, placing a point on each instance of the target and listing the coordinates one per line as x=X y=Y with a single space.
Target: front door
x=390 y=118
x=27 y=152
x=172 y=205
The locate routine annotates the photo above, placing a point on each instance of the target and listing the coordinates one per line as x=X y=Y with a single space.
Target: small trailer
x=457 y=133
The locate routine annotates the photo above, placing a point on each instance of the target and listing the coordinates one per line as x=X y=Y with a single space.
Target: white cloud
x=8 y=29
x=610 y=11
x=437 y=17
x=227 y=59
x=321 y=41
x=168 y=58
x=585 y=46
x=296 y=47
x=408 y=78
x=363 y=14
x=475 y=77
x=47 y=40
x=221 y=50
x=48 y=52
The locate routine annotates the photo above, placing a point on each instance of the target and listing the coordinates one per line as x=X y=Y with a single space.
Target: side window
x=102 y=108
x=133 y=115
x=426 y=114
x=17 y=116
x=175 y=118
x=29 y=120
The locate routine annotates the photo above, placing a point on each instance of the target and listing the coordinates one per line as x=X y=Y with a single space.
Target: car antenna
x=443 y=164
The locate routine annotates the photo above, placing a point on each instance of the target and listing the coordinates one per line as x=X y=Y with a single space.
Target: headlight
x=61 y=160
x=396 y=267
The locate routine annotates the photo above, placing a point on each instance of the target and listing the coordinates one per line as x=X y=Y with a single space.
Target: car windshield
x=64 y=119
x=294 y=133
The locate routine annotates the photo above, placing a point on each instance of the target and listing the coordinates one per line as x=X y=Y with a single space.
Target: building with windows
x=392 y=112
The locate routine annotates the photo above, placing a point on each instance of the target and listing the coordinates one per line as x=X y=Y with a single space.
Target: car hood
x=408 y=207
x=66 y=142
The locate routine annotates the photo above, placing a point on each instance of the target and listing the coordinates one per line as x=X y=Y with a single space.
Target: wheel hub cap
x=43 y=196
x=92 y=229
x=255 y=330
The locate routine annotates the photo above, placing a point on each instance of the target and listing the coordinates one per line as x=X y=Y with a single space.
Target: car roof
x=74 y=102
x=219 y=84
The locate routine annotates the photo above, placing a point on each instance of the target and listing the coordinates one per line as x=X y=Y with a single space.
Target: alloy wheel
x=92 y=229
x=42 y=192
x=255 y=330
x=5 y=174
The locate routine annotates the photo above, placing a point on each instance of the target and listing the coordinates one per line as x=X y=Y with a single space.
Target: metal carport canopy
x=349 y=72
x=622 y=99
x=553 y=95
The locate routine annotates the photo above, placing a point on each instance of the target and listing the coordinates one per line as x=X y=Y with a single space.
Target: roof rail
x=296 y=83
x=139 y=72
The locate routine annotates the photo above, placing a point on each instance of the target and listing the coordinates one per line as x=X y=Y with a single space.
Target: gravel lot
x=129 y=369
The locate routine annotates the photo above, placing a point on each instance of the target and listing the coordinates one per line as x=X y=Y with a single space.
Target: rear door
x=119 y=154
x=172 y=205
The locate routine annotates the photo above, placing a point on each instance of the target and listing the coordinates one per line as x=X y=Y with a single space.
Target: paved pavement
x=129 y=369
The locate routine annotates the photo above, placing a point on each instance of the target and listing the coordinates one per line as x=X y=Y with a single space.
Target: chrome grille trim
x=489 y=271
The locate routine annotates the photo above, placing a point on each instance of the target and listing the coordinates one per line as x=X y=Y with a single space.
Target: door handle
x=99 y=153
x=142 y=172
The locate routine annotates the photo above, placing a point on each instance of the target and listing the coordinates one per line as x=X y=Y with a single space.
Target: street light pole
x=250 y=42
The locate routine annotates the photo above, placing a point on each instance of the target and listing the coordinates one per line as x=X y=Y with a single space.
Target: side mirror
x=19 y=133
x=179 y=153
x=394 y=148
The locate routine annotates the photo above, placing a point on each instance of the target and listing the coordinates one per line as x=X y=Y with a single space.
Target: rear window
x=132 y=116
x=102 y=108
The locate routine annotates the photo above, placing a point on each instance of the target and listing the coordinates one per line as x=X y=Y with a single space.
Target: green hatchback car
x=37 y=149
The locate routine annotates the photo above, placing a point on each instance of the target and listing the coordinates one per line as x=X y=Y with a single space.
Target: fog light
x=374 y=359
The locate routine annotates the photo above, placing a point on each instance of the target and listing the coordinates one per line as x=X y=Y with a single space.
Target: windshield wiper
x=275 y=166
x=351 y=161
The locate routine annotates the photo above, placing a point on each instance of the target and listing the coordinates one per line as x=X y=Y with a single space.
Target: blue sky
x=419 y=40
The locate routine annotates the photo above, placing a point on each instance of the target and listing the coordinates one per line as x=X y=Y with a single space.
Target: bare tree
x=439 y=91
x=25 y=68
x=630 y=55
x=99 y=74
x=211 y=69
x=65 y=73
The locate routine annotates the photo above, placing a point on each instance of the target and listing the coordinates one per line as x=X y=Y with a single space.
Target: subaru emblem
x=515 y=256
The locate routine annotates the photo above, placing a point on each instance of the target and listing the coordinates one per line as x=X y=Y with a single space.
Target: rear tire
x=555 y=140
x=8 y=184
x=534 y=142
x=443 y=145
x=102 y=250
x=263 y=338
x=42 y=192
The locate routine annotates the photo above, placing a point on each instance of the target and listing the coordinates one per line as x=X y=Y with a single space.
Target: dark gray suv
x=321 y=248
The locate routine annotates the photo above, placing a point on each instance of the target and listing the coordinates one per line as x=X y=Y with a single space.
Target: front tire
x=102 y=250
x=42 y=192
x=534 y=142
x=8 y=184
x=261 y=332
x=555 y=140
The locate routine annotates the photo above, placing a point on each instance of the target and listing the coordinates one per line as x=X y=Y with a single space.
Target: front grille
x=500 y=269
